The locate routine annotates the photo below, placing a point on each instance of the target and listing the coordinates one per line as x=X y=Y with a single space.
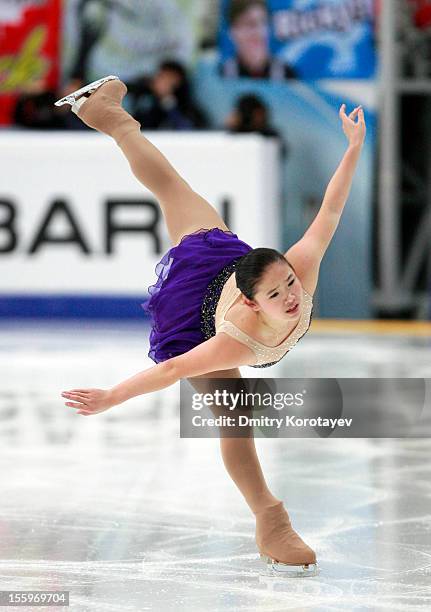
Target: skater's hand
x=89 y=401
x=354 y=130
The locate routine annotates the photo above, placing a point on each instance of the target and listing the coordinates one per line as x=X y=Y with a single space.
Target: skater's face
x=279 y=292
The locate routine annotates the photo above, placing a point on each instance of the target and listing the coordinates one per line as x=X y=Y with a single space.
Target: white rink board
x=84 y=172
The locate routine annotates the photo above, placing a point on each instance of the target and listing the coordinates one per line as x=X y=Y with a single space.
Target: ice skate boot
x=98 y=105
x=280 y=547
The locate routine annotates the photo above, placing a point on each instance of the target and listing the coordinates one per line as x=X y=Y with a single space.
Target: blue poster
x=297 y=39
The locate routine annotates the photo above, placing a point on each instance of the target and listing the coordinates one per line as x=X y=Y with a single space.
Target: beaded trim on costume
x=266 y=365
x=210 y=302
x=211 y=298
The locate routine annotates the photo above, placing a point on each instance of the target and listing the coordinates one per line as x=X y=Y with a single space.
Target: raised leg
x=184 y=210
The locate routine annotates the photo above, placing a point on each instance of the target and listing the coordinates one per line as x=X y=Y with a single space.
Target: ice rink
x=119 y=511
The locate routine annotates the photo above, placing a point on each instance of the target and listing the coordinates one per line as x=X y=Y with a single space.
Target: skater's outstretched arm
x=308 y=252
x=221 y=352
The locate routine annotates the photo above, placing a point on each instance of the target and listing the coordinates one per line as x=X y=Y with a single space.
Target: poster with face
x=304 y=39
x=29 y=50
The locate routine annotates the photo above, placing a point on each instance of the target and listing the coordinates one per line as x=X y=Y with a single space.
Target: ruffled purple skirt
x=183 y=276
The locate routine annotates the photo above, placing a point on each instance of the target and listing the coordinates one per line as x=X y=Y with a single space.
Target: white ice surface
x=125 y=515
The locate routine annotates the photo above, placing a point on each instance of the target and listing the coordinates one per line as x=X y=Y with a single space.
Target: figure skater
x=218 y=303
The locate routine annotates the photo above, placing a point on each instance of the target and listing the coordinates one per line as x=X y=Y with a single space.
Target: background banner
x=29 y=49
x=128 y=39
x=80 y=224
x=305 y=39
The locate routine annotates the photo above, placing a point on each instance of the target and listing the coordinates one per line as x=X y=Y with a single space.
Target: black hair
x=247 y=105
x=238 y=7
x=251 y=267
x=182 y=90
x=174 y=66
x=183 y=94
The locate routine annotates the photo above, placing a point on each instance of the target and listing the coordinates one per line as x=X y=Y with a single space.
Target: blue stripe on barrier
x=71 y=307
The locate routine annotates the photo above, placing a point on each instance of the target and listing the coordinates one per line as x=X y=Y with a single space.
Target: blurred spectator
x=35 y=108
x=164 y=101
x=249 y=30
x=252 y=115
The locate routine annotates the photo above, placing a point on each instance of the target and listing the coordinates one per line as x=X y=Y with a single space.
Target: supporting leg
x=240 y=456
x=243 y=466
x=280 y=546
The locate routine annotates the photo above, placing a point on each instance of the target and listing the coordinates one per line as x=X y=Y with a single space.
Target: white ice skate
x=77 y=98
x=274 y=568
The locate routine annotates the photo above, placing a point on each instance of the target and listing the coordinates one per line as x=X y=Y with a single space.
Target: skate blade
x=274 y=568
x=72 y=97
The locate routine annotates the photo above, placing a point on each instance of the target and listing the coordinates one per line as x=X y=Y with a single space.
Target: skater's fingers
x=342 y=111
x=354 y=112
x=75 y=396
x=346 y=119
x=73 y=405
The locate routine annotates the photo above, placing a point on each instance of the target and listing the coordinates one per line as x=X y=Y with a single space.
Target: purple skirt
x=183 y=276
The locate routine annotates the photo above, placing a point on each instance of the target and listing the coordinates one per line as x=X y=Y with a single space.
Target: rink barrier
x=72 y=307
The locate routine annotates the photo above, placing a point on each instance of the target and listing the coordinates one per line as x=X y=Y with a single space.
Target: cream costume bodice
x=265 y=355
